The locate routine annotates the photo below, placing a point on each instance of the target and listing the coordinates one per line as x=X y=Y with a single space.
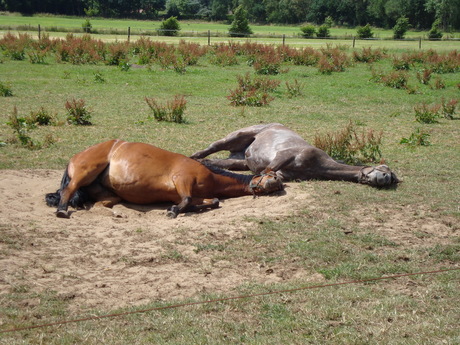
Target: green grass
x=338 y=238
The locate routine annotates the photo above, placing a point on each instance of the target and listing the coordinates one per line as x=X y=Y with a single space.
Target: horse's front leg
x=237 y=141
x=189 y=204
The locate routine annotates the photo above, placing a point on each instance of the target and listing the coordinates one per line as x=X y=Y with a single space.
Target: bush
x=368 y=55
x=173 y=111
x=365 y=31
x=323 y=31
x=294 y=89
x=42 y=117
x=170 y=27
x=449 y=108
x=77 y=113
x=308 y=31
x=400 y=28
x=253 y=92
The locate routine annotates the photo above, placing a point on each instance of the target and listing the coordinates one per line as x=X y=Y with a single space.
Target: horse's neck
x=232 y=186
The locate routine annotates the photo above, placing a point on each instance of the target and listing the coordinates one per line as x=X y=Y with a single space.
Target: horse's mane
x=239 y=177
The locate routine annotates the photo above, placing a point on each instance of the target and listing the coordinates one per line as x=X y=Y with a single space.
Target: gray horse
x=274 y=146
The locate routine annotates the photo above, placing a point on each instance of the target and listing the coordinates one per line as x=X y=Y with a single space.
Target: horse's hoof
x=171 y=214
x=62 y=214
x=215 y=203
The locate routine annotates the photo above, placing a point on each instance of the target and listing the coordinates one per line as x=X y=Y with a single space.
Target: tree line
x=379 y=13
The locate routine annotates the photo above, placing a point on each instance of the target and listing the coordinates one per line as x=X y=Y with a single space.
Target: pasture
x=130 y=258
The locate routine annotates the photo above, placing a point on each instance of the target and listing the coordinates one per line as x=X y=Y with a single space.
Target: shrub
x=350 y=146
x=401 y=27
x=417 y=138
x=191 y=52
x=253 y=92
x=170 y=27
x=308 y=31
x=223 y=55
x=332 y=60
x=424 y=76
x=77 y=112
x=305 y=57
x=395 y=79
x=117 y=53
x=5 y=90
x=172 y=111
x=267 y=63
x=323 y=31
x=365 y=31
x=426 y=114
x=368 y=55
x=240 y=25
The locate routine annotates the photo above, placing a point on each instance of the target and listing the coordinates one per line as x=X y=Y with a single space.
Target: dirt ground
x=130 y=255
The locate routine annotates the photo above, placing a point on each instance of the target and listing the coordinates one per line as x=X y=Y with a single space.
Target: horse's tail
x=78 y=200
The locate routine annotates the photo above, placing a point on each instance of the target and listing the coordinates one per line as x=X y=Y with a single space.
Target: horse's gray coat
x=274 y=146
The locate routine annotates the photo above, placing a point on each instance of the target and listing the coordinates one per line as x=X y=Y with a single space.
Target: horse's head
x=379 y=176
x=265 y=183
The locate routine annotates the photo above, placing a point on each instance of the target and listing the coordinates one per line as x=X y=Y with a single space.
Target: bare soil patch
x=130 y=255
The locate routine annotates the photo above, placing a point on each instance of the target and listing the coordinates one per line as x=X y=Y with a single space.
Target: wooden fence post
x=39 y=32
x=284 y=39
x=354 y=39
x=129 y=33
x=209 y=37
x=420 y=43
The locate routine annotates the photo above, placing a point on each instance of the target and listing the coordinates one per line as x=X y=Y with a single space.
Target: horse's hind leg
x=189 y=204
x=83 y=170
x=229 y=164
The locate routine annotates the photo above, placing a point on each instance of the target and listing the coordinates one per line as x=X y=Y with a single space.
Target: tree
x=435 y=33
x=240 y=25
x=401 y=27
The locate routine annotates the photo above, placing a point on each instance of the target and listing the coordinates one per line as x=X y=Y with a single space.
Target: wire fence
x=281 y=38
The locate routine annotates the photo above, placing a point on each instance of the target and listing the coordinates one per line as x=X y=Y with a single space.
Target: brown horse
x=116 y=170
x=274 y=147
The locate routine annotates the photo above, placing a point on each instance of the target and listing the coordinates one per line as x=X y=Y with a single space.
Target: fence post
x=39 y=32
x=284 y=39
x=129 y=33
x=354 y=39
x=420 y=43
x=209 y=37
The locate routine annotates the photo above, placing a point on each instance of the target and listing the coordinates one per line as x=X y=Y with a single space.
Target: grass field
x=345 y=237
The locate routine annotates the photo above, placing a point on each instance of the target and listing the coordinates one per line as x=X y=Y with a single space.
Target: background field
x=334 y=232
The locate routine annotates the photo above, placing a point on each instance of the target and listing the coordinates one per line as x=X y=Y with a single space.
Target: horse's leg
x=103 y=196
x=229 y=164
x=236 y=141
x=83 y=170
x=192 y=205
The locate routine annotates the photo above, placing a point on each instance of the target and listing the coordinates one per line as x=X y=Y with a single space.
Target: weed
x=21 y=127
x=395 y=79
x=41 y=118
x=99 y=78
x=350 y=146
x=252 y=92
x=77 y=112
x=449 y=108
x=427 y=114
x=417 y=138
x=439 y=83
x=5 y=90
x=294 y=89
x=171 y=112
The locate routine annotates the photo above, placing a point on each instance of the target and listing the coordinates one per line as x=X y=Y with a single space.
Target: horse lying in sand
x=274 y=147
x=116 y=170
